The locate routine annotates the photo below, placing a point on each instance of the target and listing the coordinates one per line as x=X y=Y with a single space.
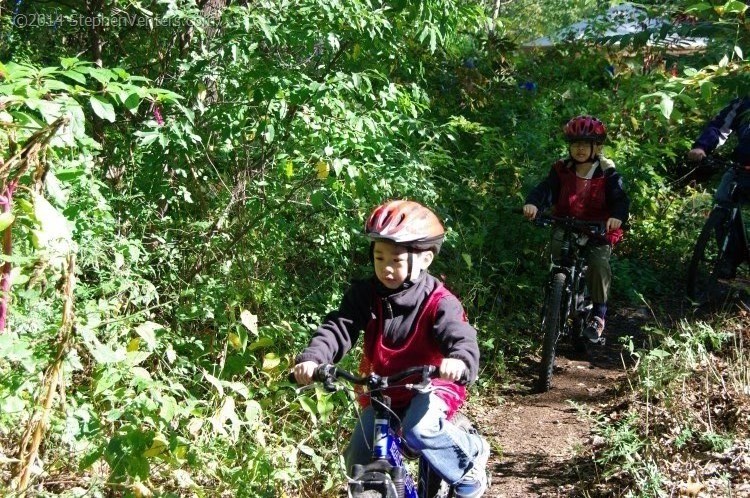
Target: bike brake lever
x=330 y=385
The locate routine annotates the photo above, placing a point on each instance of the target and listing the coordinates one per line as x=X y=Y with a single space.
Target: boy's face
x=583 y=150
x=392 y=263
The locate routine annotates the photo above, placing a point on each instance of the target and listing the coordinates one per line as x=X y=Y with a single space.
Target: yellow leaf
x=133 y=344
x=270 y=361
x=634 y=123
x=234 y=341
x=322 y=168
x=140 y=490
x=289 y=168
x=181 y=451
x=6 y=219
x=201 y=92
x=158 y=447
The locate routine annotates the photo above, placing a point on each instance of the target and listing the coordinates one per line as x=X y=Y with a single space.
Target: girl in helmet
x=408 y=318
x=586 y=185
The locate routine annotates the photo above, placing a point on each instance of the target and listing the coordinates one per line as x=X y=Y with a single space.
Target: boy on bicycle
x=586 y=186
x=735 y=117
x=409 y=318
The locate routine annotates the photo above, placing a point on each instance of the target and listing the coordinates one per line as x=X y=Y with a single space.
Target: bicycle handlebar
x=718 y=163
x=327 y=374
x=594 y=228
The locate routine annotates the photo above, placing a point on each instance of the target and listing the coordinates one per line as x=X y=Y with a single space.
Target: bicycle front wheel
x=703 y=285
x=551 y=327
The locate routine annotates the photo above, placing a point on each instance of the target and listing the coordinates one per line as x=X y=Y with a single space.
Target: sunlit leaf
x=102 y=108
x=270 y=361
x=250 y=321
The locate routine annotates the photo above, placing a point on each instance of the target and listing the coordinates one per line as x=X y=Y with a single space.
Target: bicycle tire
x=583 y=315
x=703 y=287
x=368 y=494
x=435 y=486
x=551 y=325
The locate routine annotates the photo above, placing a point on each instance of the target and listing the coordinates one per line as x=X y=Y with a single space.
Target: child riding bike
x=585 y=185
x=409 y=318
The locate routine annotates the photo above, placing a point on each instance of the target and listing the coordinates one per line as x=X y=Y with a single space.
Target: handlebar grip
x=321 y=373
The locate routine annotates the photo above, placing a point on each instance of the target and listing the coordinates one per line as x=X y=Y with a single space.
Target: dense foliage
x=186 y=184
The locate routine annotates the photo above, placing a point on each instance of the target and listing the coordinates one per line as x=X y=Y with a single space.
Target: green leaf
x=147 y=137
x=103 y=108
x=66 y=175
x=734 y=7
x=690 y=71
x=666 y=105
x=147 y=331
x=253 y=412
x=91 y=457
x=68 y=62
x=699 y=7
x=108 y=379
x=104 y=354
x=263 y=342
x=55 y=85
x=270 y=133
x=6 y=219
x=214 y=382
x=132 y=102
x=659 y=354
x=309 y=406
x=75 y=76
x=250 y=321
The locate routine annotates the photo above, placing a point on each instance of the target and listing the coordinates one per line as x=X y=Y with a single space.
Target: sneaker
x=474 y=482
x=594 y=329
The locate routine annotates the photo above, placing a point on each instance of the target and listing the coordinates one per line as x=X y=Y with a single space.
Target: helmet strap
x=410 y=264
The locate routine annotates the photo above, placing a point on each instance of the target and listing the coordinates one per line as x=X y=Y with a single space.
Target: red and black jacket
x=419 y=324
x=595 y=199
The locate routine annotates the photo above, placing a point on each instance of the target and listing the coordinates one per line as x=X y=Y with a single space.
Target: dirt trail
x=539 y=440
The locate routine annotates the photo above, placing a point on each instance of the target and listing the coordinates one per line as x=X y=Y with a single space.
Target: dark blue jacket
x=734 y=118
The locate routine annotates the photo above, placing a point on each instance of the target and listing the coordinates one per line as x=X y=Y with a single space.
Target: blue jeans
x=449 y=450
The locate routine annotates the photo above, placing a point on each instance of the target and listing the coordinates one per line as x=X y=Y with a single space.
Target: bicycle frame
x=711 y=274
x=387 y=473
x=571 y=264
x=388 y=446
x=566 y=302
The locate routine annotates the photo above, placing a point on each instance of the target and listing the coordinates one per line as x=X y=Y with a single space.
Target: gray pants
x=599 y=275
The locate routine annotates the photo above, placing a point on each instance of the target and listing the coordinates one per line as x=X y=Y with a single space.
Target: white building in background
x=621 y=20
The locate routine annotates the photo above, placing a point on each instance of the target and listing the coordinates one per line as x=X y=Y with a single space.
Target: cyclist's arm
x=719 y=128
x=456 y=337
x=340 y=329
x=546 y=192
x=618 y=201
